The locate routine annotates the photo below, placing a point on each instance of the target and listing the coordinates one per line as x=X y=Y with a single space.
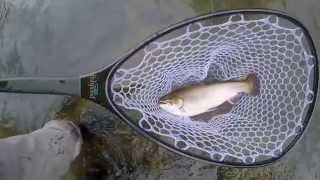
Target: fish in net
x=255 y=128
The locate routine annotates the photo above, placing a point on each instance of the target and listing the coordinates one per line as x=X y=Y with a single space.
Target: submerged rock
x=261 y=173
x=7 y=129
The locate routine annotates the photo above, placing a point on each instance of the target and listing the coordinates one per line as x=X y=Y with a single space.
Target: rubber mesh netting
x=257 y=126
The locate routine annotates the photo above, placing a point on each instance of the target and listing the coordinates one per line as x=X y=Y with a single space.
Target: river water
x=41 y=38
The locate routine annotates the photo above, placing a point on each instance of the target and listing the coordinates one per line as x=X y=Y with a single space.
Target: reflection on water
x=71 y=37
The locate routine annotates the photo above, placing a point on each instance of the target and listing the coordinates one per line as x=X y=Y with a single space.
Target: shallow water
x=72 y=37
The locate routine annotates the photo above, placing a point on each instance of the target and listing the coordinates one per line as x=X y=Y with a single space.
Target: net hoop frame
x=119 y=112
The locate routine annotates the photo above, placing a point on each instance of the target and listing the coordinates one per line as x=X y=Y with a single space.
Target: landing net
x=257 y=127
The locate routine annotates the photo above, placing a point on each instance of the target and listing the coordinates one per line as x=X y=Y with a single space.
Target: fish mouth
x=162 y=102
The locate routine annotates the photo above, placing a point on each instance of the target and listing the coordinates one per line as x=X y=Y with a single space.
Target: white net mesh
x=258 y=126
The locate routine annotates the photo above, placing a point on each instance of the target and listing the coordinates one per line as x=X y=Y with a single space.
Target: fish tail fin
x=253 y=84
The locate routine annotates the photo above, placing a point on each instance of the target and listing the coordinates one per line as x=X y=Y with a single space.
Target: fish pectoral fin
x=182 y=109
x=235 y=98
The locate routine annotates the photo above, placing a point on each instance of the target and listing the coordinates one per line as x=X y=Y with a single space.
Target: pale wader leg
x=44 y=154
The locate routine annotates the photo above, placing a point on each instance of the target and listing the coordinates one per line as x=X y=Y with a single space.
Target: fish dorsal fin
x=212 y=109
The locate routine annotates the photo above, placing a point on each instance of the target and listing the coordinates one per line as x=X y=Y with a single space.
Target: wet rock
x=42 y=154
x=72 y=109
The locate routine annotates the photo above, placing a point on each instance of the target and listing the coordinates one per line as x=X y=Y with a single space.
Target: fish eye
x=167 y=101
x=164 y=102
